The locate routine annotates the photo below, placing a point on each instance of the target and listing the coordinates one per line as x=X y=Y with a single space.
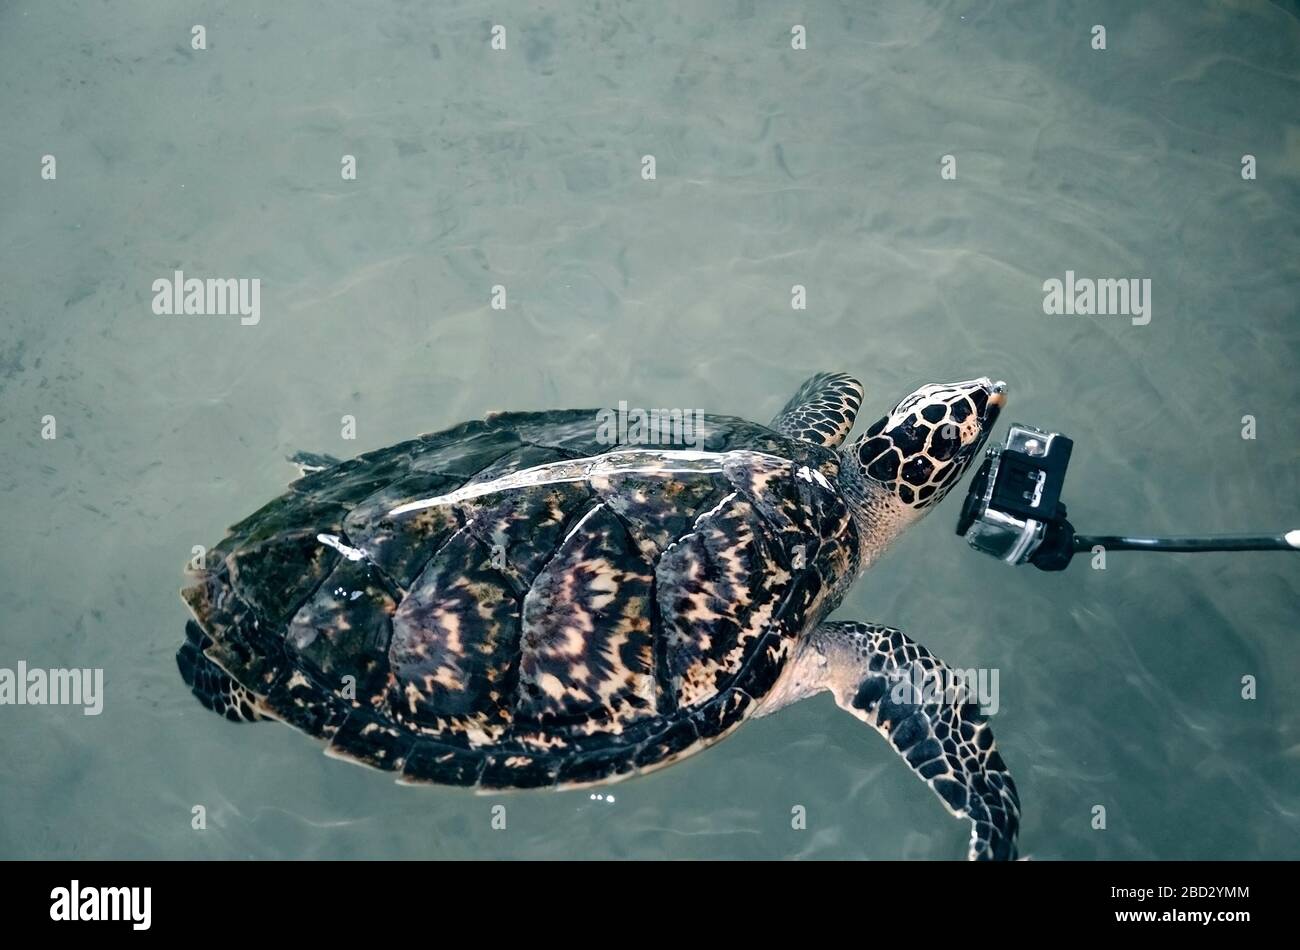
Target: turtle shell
x=510 y=603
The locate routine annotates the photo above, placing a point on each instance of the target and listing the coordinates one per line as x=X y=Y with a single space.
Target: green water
x=1119 y=688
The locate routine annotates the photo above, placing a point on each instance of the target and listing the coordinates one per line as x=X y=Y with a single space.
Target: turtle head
x=909 y=459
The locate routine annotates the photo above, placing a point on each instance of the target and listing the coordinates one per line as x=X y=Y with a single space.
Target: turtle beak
x=997 y=395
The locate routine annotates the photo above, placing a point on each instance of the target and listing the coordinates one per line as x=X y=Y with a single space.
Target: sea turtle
x=517 y=603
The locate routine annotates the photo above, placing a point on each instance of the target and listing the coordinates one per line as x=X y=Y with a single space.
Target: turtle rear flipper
x=210 y=683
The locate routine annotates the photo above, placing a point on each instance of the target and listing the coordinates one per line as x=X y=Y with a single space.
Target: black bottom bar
x=486 y=904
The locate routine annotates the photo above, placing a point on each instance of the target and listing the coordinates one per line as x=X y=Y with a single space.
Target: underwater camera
x=1013 y=510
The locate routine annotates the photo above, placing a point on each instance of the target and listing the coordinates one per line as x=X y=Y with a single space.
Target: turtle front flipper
x=822 y=411
x=899 y=687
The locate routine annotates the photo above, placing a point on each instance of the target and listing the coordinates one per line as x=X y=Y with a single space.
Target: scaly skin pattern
x=893 y=684
x=822 y=411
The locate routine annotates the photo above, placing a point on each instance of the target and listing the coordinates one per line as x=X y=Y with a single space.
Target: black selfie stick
x=1061 y=544
x=1242 y=542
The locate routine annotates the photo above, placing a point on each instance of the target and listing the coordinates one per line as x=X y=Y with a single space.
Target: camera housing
x=1013 y=508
